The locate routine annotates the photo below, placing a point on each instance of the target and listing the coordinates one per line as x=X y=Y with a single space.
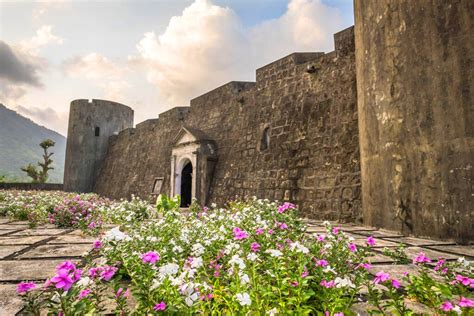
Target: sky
x=151 y=55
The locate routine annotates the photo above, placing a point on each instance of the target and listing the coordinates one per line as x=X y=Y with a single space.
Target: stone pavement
x=32 y=254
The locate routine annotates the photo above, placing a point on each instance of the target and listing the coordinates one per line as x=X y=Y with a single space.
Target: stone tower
x=91 y=123
x=415 y=88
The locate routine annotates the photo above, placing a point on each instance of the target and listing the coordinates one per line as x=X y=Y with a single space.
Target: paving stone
x=364 y=308
x=4 y=220
x=15 y=270
x=4 y=232
x=378 y=258
x=315 y=229
x=58 y=250
x=8 y=250
x=378 y=233
x=21 y=240
x=379 y=243
x=398 y=270
x=412 y=241
x=461 y=251
x=72 y=239
x=355 y=228
x=10 y=302
x=20 y=223
x=39 y=232
x=432 y=254
x=14 y=227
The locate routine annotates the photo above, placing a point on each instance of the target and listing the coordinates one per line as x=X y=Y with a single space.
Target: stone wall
x=31 y=186
x=91 y=123
x=415 y=98
x=306 y=102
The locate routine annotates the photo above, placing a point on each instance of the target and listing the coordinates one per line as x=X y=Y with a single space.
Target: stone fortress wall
x=379 y=131
x=312 y=158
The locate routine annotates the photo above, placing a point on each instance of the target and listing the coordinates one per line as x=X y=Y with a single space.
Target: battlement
x=230 y=88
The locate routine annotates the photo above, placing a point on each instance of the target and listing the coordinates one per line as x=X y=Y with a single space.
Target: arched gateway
x=193 y=161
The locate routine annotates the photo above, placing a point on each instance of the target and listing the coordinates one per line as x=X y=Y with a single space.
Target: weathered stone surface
x=10 y=302
x=378 y=258
x=379 y=243
x=14 y=270
x=38 y=232
x=58 y=250
x=456 y=249
x=419 y=241
x=415 y=101
x=4 y=232
x=432 y=254
x=17 y=240
x=72 y=239
x=8 y=250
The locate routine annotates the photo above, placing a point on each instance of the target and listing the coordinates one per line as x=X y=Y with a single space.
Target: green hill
x=19 y=145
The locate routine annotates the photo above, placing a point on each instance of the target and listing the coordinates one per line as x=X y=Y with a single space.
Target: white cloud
x=43 y=37
x=97 y=68
x=206 y=45
x=45 y=116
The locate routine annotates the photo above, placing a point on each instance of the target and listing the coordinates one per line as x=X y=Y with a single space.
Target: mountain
x=19 y=146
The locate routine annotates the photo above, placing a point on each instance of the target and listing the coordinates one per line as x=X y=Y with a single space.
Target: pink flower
x=365 y=266
x=160 y=307
x=294 y=283
x=150 y=257
x=395 y=283
x=25 y=287
x=270 y=231
x=352 y=247
x=91 y=225
x=381 y=277
x=465 y=302
x=439 y=264
x=255 y=247
x=338 y=314
x=327 y=284
x=465 y=280
x=94 y=272
x=320 y=238
x=62 y=280
x=107 y=273
x=76 y=275
x=421 y=258
x=84 y=293
x=239 y=234
x=66 y=265
x=446 y=306
x=371 y=241
x=97 y=244
x=336 y=230
x=122 y=293
x=321 y=263
x=305 y=273
x=286 y=206
x=259 y=231
x=283 y=226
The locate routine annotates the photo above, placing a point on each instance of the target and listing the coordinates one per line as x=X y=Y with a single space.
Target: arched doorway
x=186 y=184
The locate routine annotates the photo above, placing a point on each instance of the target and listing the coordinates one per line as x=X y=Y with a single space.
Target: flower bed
x=252 y=257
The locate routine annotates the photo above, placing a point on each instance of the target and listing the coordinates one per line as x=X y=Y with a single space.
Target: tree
x=41 y=175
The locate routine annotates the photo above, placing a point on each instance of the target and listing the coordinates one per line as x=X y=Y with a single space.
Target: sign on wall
x=157 y=185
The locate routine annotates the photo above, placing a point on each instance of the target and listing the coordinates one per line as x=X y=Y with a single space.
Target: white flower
x=457 y=310
x=198 y=249
x=84 y=282
x=196 y=263
x=177 y=249
x=169 y=269
x=116 y=234
x=191 y=298
x=252 y=256
x=238 y=261
x=244 y=299
x=155 y=284
x=272 y=312
x=299 y=247
x=343 y=282
x=274 y=252
x=244 y=279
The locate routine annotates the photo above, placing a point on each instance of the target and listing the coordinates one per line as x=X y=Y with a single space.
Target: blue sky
x=134 y=51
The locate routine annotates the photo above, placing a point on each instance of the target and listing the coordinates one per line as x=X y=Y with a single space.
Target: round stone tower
x=415 y=88
x=91 y=123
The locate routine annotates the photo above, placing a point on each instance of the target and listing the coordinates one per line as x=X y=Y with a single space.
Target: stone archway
x=193 y=160
x=186 y=184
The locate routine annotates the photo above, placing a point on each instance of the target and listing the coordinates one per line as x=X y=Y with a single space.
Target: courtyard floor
x=32 y=254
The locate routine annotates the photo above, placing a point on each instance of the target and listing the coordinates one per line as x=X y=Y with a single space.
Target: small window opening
x=265 y=141
x=97 y=131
